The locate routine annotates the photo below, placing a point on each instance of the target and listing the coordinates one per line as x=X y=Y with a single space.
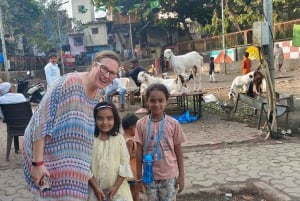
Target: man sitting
x=8 y=96
x=116 y=88
x=134 y=73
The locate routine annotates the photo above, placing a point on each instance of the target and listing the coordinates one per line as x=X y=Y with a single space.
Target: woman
x=59 y=137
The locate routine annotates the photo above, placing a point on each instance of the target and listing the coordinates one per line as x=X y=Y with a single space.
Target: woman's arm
x=38 y=170
x=179 y=156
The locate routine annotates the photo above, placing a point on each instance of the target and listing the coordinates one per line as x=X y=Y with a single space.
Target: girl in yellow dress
x=110 y=159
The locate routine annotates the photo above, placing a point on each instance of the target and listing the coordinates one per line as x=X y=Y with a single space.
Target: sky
x=68 y=7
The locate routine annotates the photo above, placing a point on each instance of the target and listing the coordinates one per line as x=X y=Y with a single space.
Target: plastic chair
x=16 y=117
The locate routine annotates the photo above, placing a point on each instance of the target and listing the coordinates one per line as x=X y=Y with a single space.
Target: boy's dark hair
x=159 y=87
x=115 y=130
x=129 y=120
x=52 y=55
x=246 y=54
x=212 y=58
x=134 y=61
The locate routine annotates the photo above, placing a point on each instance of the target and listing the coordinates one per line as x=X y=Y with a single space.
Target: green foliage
x=26 y=21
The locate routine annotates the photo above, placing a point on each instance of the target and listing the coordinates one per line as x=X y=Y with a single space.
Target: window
x=78 y=41
x=82 y=9
x=95 y=31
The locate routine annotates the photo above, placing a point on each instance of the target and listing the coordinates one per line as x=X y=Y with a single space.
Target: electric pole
x=268 y=15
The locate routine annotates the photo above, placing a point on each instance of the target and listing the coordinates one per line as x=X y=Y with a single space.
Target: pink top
x=173 y=135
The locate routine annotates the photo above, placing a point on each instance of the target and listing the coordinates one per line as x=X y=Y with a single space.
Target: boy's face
x=53 y=59
x=132 y=130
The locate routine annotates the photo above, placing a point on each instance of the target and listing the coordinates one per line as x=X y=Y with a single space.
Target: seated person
x=116 y=88
x=8 y=96
x=134 y=72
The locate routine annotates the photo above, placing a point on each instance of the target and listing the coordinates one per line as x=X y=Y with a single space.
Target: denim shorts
x=162 y=190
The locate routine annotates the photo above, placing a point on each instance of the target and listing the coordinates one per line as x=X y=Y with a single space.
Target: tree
x=29 y=20
x=239 y=14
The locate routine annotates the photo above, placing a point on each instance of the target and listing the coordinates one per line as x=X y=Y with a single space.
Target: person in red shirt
x=246 y=64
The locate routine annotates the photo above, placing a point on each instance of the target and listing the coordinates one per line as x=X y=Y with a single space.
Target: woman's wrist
x=38 y=163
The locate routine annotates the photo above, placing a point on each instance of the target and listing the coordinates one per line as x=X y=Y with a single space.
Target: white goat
x=241 y=81
x=184 y=63
x=175 y=86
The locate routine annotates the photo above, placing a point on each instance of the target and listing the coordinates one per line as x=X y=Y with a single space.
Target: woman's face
x=105 y=120
x=104 y=72
x=157 y=102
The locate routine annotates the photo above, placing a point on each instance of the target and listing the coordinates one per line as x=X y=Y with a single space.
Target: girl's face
x=103 y=73
x=157 y=102
x=105 y=120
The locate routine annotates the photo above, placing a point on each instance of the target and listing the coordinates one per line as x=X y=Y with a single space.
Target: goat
x=174 y=86
x=238 y=82
x=152 y=70
x=255 y=78
x=184 y=63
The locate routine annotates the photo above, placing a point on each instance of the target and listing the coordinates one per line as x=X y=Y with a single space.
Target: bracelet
x=37 y=163
x=139 y=180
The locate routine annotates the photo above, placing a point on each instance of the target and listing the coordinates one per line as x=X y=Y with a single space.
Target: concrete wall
x=235 y=67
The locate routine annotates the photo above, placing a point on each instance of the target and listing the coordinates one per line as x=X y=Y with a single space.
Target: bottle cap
x=148 y=157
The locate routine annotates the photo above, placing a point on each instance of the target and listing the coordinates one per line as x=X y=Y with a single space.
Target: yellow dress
x=109 y=160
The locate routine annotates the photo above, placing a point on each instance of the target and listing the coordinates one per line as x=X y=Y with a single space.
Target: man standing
x=246 y=64
x=116 y=88
x=278 y=57
x=8 y=96
x=212 y=70
x=52 y=71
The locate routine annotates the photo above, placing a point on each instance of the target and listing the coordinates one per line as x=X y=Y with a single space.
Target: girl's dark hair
x=159 y=87
x=129 y=120
x=103 y=105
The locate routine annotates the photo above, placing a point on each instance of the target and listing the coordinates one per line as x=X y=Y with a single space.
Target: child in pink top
x=157 y=127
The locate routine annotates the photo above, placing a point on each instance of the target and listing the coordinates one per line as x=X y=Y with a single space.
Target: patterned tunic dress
x=65 y=118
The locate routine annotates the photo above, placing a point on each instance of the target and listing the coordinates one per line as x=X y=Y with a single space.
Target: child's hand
x=112 y=192
x=180 y=184
x=140 y=187
x=99 y=194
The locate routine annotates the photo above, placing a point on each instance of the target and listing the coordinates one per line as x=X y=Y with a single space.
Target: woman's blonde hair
x=107 y=54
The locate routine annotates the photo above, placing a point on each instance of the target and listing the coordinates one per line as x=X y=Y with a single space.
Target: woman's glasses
x=104 y=70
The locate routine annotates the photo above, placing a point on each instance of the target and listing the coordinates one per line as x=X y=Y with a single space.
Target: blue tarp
x=185 y=118
x=1 y=58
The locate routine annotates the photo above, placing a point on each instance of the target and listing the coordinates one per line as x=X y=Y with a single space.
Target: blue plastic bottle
x=148 y=174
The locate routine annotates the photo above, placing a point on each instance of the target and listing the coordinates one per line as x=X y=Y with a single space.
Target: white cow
x=185 y=63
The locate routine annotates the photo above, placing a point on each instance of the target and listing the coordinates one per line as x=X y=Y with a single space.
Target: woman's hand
x=37 y=172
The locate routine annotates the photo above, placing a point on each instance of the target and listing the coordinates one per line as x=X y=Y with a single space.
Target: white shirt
x=52 y=73
x=116 y=85
x=11 y=98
